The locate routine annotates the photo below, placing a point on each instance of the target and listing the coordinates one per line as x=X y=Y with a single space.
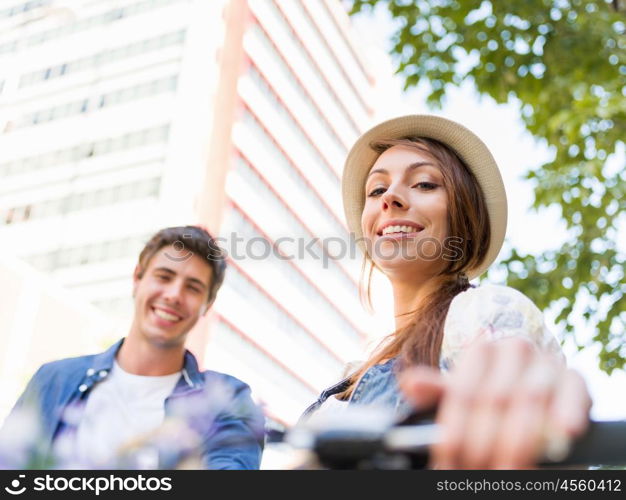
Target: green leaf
x=565 y=62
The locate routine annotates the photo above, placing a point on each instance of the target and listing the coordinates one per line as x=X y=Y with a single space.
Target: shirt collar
x=191 y=376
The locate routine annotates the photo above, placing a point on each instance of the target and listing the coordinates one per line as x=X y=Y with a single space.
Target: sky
x=515 y=151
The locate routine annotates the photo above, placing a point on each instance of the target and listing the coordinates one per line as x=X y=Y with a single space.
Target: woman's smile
x=399 y=228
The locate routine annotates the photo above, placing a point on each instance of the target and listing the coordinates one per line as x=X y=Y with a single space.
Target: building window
x=131 y=140
x=329 y=175
x=290 y=78
x=232 y=341
x=297 y=286
x=103 y=57
x=291 y=175
x=23 y=7
x=264 y=305
x=313 y=69
x=89 y=254
x=85 y=24
x=144 y=188
x=120 y=96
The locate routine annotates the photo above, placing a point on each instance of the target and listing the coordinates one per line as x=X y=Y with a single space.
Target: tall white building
x=118 y=118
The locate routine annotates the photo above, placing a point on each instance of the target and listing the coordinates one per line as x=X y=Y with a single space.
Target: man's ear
x=137 y=274
x=206 y=307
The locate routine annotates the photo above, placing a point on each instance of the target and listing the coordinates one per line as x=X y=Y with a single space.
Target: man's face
x=170 y=296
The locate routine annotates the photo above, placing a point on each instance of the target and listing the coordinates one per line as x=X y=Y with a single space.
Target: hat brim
x=465 y=144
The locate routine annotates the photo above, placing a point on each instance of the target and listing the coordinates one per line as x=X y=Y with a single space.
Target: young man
x=143 y=403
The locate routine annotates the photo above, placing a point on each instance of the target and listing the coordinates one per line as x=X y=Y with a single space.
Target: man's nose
x=173 y=291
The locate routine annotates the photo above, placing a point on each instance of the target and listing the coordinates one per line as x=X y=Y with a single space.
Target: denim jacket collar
x=103 y=363
x=377 y=386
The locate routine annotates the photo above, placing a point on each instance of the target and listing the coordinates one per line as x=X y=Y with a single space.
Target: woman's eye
x=377 y=192
x=427 y=186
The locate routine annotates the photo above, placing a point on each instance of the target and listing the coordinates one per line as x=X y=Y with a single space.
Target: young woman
x=426 y=201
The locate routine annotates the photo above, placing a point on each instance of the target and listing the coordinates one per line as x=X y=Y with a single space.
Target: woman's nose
x=391 y=198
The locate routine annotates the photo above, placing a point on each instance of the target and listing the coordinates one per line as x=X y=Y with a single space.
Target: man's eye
x=376 y=192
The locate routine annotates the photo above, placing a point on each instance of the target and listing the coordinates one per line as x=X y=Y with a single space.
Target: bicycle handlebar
x=407 y=446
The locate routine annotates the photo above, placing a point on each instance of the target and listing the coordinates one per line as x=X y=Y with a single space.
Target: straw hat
x=467 y=146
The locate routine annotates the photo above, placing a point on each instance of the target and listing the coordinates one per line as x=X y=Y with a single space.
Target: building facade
x=119 y=118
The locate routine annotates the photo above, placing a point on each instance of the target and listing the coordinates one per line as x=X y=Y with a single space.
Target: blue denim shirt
x=377 y=387
x=217 y=407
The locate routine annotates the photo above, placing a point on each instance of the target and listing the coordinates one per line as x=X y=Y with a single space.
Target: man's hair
x=187 y=239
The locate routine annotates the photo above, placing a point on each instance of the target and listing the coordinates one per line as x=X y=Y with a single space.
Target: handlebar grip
x=602 y=443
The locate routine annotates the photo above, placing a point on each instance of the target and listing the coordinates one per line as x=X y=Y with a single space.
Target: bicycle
x=366 y=439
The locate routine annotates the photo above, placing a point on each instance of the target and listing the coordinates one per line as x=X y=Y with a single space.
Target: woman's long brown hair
x=468 y=220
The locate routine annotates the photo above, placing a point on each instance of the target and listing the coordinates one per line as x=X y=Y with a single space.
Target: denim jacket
x=218 y=408
x=377 y=387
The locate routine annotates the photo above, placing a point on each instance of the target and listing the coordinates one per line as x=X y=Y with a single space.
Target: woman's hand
x=504 y=405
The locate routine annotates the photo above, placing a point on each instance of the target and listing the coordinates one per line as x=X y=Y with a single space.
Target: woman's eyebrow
x=418 y=164
x=412 y=166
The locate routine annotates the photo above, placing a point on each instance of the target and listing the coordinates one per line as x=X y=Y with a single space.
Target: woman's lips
x=399 y=236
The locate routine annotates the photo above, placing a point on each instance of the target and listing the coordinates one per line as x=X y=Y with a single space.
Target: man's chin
x=166 y=340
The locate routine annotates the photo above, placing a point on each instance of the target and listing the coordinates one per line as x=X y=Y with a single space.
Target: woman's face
x=405 y=218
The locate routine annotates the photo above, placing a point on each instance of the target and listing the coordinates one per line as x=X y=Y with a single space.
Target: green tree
x=564 y=62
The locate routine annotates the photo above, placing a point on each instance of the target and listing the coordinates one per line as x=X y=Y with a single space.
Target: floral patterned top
x=492 y=312
x=487 y=312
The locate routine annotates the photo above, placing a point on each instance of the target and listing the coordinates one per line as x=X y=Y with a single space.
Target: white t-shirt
x=119 y=410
